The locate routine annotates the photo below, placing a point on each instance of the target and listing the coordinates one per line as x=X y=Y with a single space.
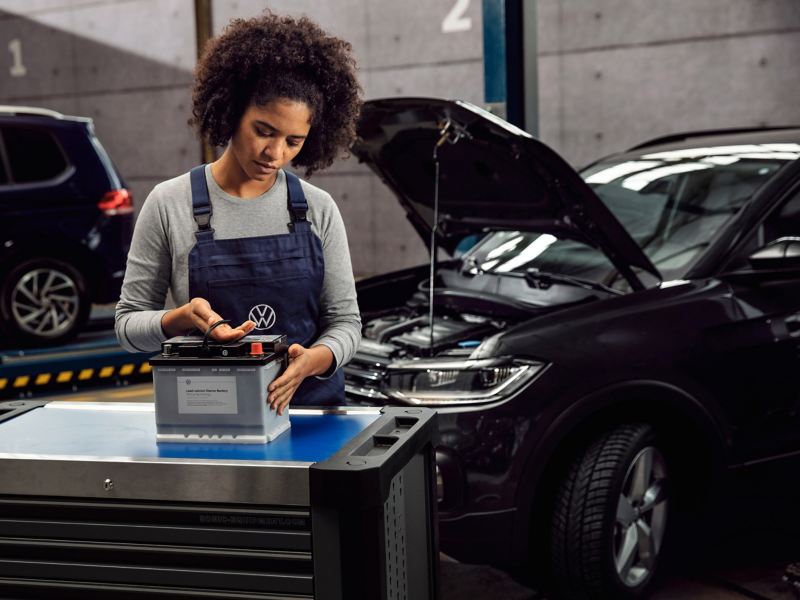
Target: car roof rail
x=29 y=110
x=678 y=137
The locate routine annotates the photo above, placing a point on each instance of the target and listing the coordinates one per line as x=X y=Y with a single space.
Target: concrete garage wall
x=125 y=63
x=611 y=73
x=618 y=72
x=401 y=50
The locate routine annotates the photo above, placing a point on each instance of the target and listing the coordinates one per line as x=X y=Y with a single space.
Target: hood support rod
x=447 y=132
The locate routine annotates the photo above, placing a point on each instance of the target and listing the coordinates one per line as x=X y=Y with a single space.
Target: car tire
x=610 y=516
x=43 y=301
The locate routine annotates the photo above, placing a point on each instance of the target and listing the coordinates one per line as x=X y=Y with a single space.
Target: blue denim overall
x=274 y=280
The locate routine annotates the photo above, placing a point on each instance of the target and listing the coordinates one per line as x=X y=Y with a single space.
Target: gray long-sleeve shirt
x=164 y=235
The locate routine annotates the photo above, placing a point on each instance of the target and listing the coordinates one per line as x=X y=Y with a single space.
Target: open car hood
x=492 y=176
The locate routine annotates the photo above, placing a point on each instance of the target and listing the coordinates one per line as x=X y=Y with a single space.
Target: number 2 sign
x=455 y=20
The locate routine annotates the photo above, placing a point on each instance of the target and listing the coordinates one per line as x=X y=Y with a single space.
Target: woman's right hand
x=198 y=314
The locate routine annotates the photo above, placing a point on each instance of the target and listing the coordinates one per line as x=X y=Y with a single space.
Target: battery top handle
x=212 y=328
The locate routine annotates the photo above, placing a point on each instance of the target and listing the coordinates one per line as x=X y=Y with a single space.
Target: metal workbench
x=339 y=507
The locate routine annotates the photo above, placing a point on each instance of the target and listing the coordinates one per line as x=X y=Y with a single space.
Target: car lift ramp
x=95 y=359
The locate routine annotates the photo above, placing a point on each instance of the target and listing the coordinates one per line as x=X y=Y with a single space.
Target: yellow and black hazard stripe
x=44 y=379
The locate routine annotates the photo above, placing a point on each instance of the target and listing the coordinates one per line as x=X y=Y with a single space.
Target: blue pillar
x=494 y=51
x=510 y=61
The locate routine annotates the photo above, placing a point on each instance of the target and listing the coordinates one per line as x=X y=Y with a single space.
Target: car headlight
x=449 y=381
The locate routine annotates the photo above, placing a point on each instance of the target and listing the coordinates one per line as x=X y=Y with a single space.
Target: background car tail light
x=116 y=202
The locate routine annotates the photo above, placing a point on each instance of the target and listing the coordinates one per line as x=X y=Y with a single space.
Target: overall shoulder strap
x=201 y=202
x=298 y=207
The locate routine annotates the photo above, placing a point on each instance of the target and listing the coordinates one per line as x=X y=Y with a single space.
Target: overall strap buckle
x=203 y=221
x=201 y=200
x=298 y=207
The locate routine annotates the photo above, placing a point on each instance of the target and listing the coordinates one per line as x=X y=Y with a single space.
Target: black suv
x=65 y=224
x=614 y=340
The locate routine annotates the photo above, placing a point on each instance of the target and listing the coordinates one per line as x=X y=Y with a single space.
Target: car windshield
x=672 y=203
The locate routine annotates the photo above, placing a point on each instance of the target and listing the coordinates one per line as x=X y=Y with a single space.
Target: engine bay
x=414 y=336
x=406 y=333
x=467 y=310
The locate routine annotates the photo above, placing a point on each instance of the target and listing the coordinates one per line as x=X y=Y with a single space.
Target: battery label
x=207 y=395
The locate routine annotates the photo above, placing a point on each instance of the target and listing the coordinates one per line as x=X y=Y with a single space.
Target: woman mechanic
x=241 y=238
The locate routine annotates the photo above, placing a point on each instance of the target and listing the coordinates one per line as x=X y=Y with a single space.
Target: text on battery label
x=207 y=395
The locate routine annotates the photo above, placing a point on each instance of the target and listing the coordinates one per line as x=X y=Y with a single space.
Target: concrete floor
x=747 y=559
x=478 y=582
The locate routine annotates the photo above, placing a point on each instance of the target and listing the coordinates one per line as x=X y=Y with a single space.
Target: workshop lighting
x=614 y=172
x=532 y=251
x=739 y=150
x=694 y=153
x=504 y=247
x=771 y=155
x=781 y=147
x=720 y=160
x=641 y=180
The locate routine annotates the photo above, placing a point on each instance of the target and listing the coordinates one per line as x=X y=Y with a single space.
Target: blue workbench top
x=114 y=431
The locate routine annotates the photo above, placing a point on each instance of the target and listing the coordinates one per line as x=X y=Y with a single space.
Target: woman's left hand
x=303 y=362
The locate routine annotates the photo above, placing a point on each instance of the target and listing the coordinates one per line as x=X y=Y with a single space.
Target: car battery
x=211 y=392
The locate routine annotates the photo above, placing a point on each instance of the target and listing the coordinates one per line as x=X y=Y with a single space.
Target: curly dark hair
x=258 y=60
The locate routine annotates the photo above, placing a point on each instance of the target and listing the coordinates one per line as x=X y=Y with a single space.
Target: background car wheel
x=610 y=516
x=44 y=301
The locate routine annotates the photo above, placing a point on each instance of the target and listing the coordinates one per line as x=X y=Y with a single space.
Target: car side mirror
x=780 y=259
x=783 y=253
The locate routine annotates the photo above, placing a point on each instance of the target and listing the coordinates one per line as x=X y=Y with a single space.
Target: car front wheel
x=44 y=301
x=610 y=516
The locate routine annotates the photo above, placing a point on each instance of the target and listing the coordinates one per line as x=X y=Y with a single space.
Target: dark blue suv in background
x=66 y=220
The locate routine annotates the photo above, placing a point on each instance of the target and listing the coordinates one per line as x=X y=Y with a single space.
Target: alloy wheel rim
x=45 y=302
x=641 y=517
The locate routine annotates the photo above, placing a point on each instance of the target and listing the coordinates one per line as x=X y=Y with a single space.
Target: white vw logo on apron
x=262 y=315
